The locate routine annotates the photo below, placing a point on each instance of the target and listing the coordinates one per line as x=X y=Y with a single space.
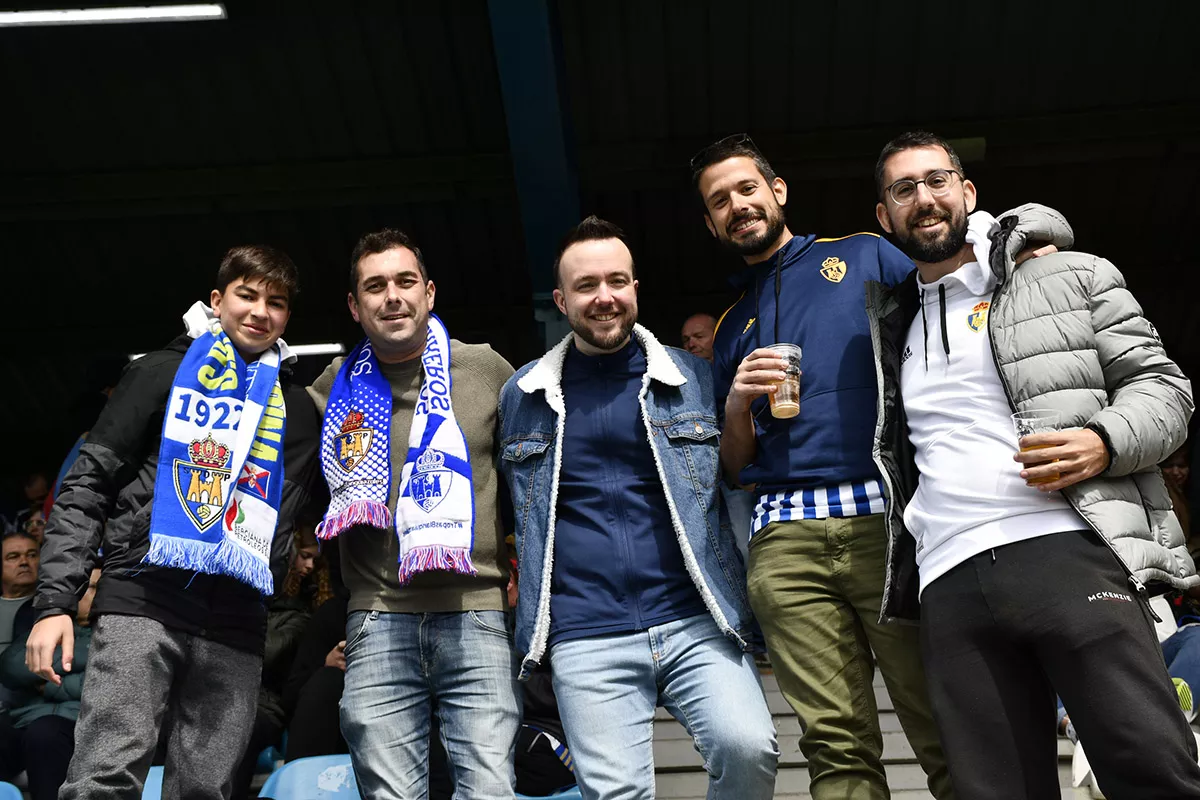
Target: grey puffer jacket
x=1066 y=335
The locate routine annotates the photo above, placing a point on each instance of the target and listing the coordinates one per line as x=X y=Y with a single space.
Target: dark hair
x=739 y=145
x=380 y=242
x=590 y=230
x=17 y=533
x=908 y=141
x=259 y=262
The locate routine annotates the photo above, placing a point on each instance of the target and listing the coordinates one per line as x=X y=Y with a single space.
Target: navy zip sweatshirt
x=821 y=307
x=618 y=566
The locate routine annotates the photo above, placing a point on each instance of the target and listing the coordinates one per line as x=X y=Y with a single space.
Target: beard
x=760 y=242
x=610 y=339
x=933 y=251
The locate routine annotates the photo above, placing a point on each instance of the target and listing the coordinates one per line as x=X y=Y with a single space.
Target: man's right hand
x=337 y=656
x=757 y=375
x=47 y=636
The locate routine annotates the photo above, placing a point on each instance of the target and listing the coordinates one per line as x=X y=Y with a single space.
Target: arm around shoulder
x=1150 y=400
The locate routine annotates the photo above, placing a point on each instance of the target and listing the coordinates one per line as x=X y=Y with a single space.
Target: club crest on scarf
x=219 y=478
x=354 y=442
x=434 y=513
x=431 y=483
x=205 y=476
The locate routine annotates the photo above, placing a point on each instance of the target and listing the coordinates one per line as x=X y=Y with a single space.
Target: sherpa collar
x=546 y=374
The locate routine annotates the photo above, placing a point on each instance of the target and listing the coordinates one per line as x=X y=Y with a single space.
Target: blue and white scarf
x=220 y=464
x=434 y=517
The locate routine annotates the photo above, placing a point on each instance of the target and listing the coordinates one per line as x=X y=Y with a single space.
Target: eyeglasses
x=702 y=158
x=937 y=182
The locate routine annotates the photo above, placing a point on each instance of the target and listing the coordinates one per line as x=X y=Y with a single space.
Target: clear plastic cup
x=1028 y=423
x=785 y=401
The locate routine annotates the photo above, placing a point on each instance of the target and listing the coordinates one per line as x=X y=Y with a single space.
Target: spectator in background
x=1176 y=470
x=19 y=561
x=34 y=488
x=39 y=736
x=697 y=335
x=313 y=689
x=18 y=579
x=35 y=525
x=305 y=589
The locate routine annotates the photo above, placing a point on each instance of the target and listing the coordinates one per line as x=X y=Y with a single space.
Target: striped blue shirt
x=853 y=499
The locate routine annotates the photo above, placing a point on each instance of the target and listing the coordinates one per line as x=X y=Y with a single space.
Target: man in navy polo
x=817 y=547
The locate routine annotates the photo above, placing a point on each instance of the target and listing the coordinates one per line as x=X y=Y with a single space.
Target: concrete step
x=907 y=782
x=681 y=776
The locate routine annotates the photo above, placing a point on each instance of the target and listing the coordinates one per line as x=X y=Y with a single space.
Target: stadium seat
x=567 y=794
x=316 y=778
x=153 y=788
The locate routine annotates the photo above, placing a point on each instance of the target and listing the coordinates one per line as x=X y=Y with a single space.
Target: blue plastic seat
x=316 y=778
x=9 y=792
x=153 y=788
x=567 y=794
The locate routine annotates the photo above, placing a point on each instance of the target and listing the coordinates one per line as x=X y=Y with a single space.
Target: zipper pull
x=1140 y=588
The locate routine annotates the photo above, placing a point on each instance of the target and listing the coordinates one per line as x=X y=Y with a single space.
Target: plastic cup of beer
x=1031 y=422
x=785 y=401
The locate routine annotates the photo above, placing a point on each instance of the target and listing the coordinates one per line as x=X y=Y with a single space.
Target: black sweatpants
x=1003 y=630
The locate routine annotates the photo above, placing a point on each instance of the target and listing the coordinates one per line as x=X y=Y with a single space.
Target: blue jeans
x=608 y=687
x=1182 y=653
x=398 y=666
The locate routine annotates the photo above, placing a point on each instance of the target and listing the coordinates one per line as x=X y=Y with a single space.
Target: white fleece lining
x=546 y=375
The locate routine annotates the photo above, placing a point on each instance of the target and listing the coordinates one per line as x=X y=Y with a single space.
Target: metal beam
x=528 y=60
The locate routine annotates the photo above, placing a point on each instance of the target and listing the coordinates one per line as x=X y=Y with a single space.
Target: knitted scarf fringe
x=230 y=558
x=172 y=551
x=423 y=559
x=360 y=512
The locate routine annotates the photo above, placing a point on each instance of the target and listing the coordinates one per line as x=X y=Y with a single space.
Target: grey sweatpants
x=139 y=673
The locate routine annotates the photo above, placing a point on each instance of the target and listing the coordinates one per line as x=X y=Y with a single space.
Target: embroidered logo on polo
x=977 y=319
x=354 y=442
x=906 y=355
x=431 y=480
x=748 y=324
x=204 y=475
x=833 y=269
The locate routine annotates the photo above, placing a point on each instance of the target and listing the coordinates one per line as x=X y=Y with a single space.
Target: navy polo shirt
x=618 y=566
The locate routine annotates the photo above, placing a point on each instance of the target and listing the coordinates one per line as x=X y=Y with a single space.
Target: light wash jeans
x=398 y=666
x=609 y=686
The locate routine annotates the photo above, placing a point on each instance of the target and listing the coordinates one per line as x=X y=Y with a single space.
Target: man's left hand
x=1073 y=455
x=1031 y=251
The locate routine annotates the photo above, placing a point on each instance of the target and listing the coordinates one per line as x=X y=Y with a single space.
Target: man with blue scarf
x=407 y=447
x=190 y=482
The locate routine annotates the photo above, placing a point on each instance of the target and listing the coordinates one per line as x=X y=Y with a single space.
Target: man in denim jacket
x=630 y=577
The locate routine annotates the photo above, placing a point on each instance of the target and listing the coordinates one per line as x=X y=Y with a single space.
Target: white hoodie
x=970 y=496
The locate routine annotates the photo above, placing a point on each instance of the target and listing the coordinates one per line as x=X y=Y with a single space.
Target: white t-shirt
x=970 y=496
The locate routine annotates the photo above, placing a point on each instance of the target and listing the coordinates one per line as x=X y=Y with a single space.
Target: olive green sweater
x=369 y=556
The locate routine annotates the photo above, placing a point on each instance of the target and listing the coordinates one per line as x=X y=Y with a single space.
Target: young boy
x=190 y=482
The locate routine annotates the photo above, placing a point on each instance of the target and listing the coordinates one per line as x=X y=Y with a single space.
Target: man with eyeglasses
x=817 y=547
x=1030 y=568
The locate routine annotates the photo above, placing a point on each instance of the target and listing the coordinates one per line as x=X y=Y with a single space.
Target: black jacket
x=105 y=501
x=890 y=311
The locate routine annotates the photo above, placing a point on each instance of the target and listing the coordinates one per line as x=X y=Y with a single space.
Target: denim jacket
x=679 y=410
